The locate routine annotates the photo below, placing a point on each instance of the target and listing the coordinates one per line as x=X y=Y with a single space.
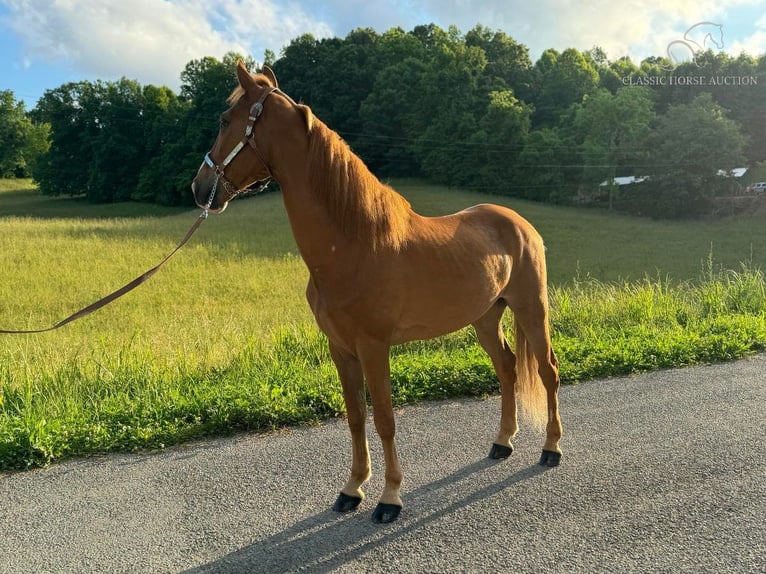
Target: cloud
x=755 y=44
x=151 y=40
x=635 y=28
x=265 y=24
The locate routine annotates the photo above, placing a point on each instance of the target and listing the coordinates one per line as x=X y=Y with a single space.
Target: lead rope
x=202 y=217
x=114 y=295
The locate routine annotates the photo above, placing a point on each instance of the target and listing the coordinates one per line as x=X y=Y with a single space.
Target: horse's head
x=243 y=151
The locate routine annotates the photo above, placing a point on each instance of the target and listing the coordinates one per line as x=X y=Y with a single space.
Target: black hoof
x=550 y=458
x=385 y=513
x=346 y=503
x=500 y=451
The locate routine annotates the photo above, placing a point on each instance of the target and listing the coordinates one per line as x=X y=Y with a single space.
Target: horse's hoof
x=346 y=503
x=550 y=458
x=500 y=451
x=385 y=513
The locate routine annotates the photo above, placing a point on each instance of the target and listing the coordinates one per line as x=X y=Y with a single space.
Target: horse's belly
x=420 y=332
x=438 y=322
x=435 y=308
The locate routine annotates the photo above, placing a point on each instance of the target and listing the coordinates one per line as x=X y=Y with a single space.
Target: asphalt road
x=662 y=472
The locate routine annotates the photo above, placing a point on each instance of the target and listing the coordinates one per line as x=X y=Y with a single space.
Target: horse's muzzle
x=206 y=200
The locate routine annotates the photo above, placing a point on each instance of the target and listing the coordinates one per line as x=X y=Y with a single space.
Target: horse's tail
x=529 y=386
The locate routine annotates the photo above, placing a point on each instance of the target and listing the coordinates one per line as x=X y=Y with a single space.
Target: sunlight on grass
x=222 y=337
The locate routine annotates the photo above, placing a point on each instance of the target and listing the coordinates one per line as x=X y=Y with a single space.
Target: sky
x=45 y=43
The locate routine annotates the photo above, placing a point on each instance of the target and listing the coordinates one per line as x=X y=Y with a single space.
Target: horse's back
x=514 y=232
x=520 y=240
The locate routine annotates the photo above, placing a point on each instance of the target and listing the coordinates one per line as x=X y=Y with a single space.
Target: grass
x=222 y=338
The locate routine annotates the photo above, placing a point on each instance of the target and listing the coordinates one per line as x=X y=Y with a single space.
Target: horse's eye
x=224 y=123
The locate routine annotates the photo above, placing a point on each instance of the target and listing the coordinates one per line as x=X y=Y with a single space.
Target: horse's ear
x=307 y=116
x=244 y=77
x=269 y=73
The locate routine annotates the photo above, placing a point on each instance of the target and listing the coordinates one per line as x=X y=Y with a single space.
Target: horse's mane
x=364 y=208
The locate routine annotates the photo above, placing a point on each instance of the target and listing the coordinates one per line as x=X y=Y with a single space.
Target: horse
x=380 y=274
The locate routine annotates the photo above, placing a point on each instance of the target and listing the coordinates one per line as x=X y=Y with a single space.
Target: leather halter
x=249 y=138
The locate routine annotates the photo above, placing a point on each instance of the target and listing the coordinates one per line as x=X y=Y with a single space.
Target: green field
x=222 y=339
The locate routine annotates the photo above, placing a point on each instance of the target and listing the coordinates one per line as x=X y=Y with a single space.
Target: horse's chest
x=335 y=317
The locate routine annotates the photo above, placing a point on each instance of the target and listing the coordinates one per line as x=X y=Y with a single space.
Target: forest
x=470 y=110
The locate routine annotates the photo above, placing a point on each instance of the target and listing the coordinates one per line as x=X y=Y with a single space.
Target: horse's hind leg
x=352 y=381
x=490 y=334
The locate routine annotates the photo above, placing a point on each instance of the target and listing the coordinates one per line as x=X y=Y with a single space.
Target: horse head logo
x=697 y=40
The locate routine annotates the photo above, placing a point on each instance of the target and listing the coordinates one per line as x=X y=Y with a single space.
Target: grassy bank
x=222 y=339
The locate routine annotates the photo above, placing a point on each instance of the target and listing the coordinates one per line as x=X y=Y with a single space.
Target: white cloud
x=264 y=23
x=638 y=28
x=755 y=44
x=151 y=40
x=635 y=28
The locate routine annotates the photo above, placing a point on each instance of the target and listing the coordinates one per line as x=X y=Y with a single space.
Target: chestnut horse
x=381 y=274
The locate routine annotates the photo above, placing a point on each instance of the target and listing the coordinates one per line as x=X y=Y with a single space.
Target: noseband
x=249 y=138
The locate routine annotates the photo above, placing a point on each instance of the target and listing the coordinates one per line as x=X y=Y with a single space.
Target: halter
x=249 y=138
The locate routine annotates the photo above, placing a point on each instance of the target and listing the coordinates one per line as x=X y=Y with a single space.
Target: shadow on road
x=328 y=540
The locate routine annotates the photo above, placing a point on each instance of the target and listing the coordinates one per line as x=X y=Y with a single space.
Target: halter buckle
x=255 y=111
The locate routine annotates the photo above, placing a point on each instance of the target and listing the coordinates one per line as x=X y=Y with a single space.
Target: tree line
x=470 y=110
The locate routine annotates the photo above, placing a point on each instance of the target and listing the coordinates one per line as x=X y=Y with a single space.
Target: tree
x=448 y=106
x=612 y=132
x=97 y=145
x=561 y=80
x=118 y=144
x=21 y=140
x=508 y=64
x=744 y=98
x=165 y=126
x=498 y=142
x=691 y=143
x=301 y=69
x=544 y=170
x=468 y=110
x=70 y=112
x=389 y=124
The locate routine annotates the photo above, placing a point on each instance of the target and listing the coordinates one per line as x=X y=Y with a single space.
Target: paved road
x=662 y=473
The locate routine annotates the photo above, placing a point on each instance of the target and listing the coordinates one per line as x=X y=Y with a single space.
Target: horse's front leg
x=375 y=364
x=352 y=381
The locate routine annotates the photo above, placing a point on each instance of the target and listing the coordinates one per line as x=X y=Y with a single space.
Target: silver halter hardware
x=255 y=111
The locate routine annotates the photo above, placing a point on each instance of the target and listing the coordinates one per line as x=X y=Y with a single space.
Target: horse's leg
x=489 y=331
x=533 y=320
x=352 y=381
x=375 y=363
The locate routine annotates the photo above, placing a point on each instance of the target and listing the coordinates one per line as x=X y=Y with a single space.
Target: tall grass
x=617 y=328
x=222 y=339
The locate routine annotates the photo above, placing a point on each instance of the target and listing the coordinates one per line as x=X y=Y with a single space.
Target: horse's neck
x=314 y=232
x=316 y=229
x=336 y=205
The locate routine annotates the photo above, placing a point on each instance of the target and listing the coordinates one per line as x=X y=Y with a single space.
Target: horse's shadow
x=326 y=541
